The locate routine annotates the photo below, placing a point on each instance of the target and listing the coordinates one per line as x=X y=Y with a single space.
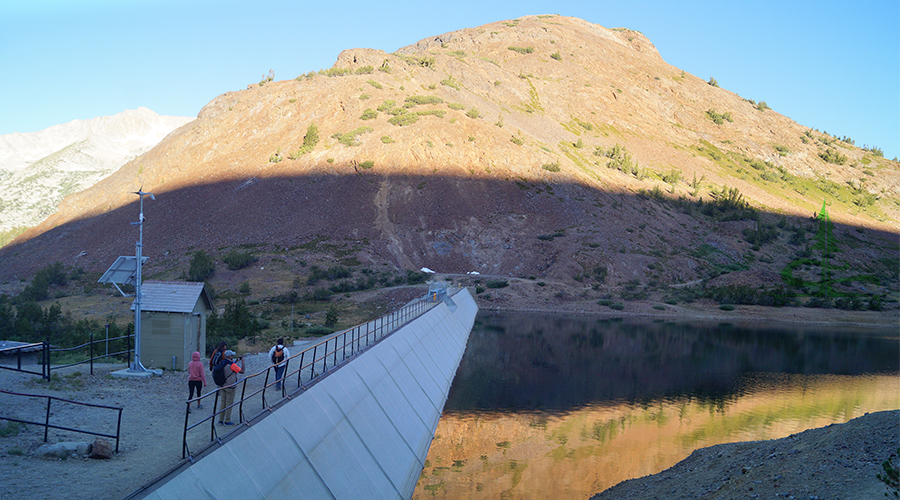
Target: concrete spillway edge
x=362 y=432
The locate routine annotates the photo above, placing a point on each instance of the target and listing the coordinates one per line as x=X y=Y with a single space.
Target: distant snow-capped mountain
x=38 y=169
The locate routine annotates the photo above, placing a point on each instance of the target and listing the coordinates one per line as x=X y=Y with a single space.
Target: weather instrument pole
x=137 y=366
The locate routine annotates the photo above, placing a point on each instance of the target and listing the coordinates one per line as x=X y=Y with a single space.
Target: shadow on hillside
x=458 y=225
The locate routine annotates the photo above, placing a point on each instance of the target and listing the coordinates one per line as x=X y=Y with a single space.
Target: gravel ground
x=151 y=430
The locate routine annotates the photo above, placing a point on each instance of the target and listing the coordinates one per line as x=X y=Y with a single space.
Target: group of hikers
x=225 y=369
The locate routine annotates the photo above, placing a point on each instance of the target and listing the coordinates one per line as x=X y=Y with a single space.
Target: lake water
x=546 y=406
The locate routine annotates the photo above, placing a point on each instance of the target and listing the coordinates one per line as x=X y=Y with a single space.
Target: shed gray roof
x=172 y=296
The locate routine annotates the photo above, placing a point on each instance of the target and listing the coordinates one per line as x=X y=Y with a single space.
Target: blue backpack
x=219 y=372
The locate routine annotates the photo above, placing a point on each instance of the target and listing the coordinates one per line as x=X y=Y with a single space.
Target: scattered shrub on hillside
x=432 y=112
x=202 y=267
x=781 y=150
x=672 y=177
x=522 y=50
x=275 y=158
x=235 y=260
x=404 y=119
x=761 y=234
x=556 y=56
x=712 y=81
x=551 y=167
x=518 y=141
x=874 y=150
x=551 y=236
x=619 y=159
x=266 y=79
x=762 y=106
x=369 y=114
x=717 y=118
x=450 y=82
x=350 y=138
x=309 y=142
x=473 y=113
x=367 y=164
x=728 y=204
x=585 y=125
x=236 y=323
x=386 y=139
x=331 y=317
x=39 y=288
x=364 y=70
x=832 y=156
x=497 y=284
x=425 y=61
x=455 y=106
x=423 y=99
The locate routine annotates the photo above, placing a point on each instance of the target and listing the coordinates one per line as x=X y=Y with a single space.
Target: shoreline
x=743 y=314
x=816 y=463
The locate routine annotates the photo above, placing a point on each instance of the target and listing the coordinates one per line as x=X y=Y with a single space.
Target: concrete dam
x=362 y=431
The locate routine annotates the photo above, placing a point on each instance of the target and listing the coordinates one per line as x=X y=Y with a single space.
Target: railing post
x=92 y=352
x=187 y=413
x=300 y=370
x=47 y=420
x=119 y=430
x=212 y=422
x=47 y=359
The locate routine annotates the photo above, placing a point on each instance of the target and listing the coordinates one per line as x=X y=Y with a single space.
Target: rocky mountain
x=38 y=169
x=555 y=152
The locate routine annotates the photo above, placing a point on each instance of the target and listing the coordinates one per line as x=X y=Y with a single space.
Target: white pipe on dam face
x=361 y=432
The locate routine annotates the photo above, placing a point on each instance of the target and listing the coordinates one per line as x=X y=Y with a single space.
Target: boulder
x=101 y=449
x=63 y=450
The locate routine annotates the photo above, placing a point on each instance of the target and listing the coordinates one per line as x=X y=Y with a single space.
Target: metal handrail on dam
x=361 y=431
x=310 y=365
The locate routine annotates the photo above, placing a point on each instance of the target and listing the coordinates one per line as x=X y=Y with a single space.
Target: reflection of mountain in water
x=554 y=363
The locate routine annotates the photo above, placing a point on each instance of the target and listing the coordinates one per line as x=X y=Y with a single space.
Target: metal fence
x=47 y=425
x=91 y=355
x=47 y=350
x=27 y=348
x=306 y=367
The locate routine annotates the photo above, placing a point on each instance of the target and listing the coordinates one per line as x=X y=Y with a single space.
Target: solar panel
x=123 y=271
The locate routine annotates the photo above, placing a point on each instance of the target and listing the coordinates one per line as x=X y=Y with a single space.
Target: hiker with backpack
x=217 y=355
x=279 y=354
x=225 y=375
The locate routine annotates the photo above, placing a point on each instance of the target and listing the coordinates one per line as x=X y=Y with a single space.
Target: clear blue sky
x=833 y=66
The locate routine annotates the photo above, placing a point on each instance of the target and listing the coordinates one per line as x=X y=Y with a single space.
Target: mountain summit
x=38 y=169
x=544 y=147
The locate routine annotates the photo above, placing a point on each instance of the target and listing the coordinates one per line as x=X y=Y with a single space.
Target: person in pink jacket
x=196 y=377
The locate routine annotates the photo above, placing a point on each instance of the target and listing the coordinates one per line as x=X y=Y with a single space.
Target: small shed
x=173 y=322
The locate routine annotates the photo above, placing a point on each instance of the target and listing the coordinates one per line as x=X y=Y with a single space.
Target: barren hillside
x=544 y=148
